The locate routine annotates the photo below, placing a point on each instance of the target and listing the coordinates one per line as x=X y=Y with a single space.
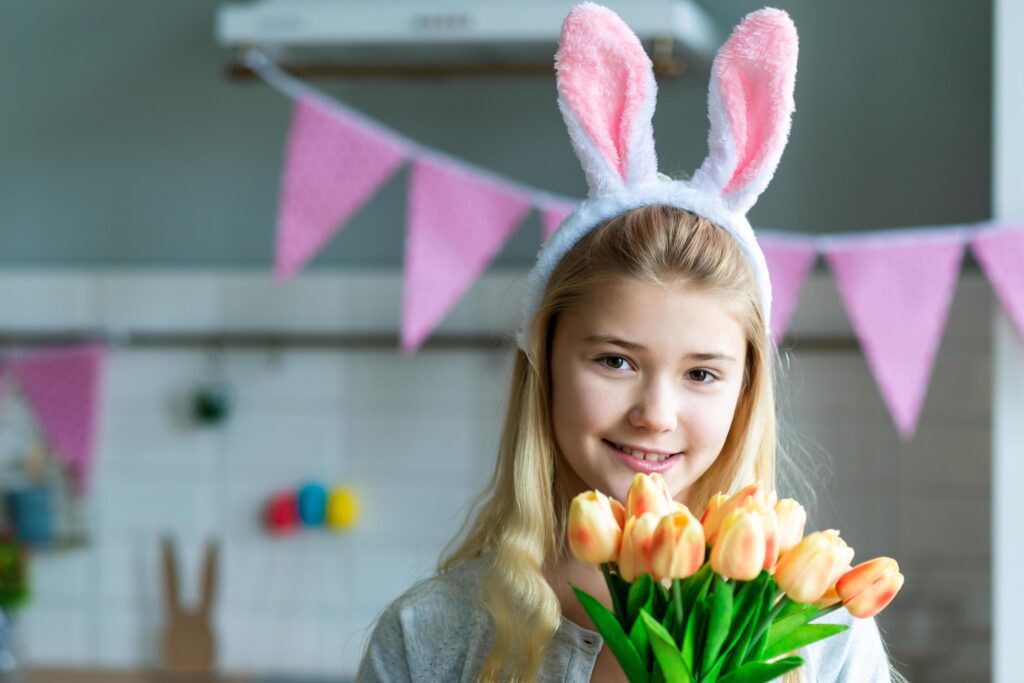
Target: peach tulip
x=738 y=551
x=717 y=510
x=867 y=588
x=771 y=532
x=637 y=539
x=792 y=518
x=678 y=547
x=595 y=527
x=806 y=570
x=648 y=493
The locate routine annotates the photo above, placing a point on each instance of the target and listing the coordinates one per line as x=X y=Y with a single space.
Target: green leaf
x=618 y=642
x=719 y=605
x=759 y=672
x=804 y=635
x=641 y=596
x=738 y=652
x=665 y=652
x=690 y=638
x=747 y=597
x=796 y=618
x=641 y=641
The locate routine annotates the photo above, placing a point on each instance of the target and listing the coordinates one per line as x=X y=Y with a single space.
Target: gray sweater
x=438 y=632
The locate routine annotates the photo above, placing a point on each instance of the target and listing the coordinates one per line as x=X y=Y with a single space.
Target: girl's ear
x=750 y=103
x=606 y=92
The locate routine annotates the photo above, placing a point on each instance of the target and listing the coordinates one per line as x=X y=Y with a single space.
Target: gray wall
x=121 y=142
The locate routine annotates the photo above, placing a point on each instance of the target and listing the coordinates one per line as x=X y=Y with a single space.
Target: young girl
x=645 y=347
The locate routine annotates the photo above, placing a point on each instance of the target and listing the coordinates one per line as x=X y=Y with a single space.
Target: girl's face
x=650 y=366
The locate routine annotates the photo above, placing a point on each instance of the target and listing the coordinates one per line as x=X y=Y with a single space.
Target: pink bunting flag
x=334 y=164
x=789 y=263
x=62 y=388
x=897 y=293
x=552 y=216
x=458 y=221
x=1001 y=255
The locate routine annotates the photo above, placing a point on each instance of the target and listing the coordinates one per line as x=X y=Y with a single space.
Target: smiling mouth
x=636 y=454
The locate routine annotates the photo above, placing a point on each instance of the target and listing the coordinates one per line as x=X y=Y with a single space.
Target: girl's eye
x=602 y=360
x=705 y=376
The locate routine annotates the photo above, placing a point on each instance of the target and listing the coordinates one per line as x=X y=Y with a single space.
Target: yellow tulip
x=635 y=553
x=717 y=510
x=738 y=551
x=792 y=518
x=595 y=527
x=678 y=547
x=648 y=493
x=867 y=588
x=806 y=570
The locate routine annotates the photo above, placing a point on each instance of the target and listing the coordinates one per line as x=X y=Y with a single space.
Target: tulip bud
x=738 y=550
x=792 y=518
x=648 y=493
x=595 y=527
x=635 y=553
x=867 y=588
x=806 y=570
x=713 y=517
x=771 y=532
x=678 y=547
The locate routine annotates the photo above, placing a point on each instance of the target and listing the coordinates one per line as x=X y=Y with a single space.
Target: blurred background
x=140 y=184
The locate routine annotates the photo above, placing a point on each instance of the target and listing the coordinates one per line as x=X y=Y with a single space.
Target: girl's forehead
x=655 y=315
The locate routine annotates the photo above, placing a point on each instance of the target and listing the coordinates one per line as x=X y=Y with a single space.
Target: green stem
x=766 y=622
x=619 y=612
x=828 y=610
x=677 y=599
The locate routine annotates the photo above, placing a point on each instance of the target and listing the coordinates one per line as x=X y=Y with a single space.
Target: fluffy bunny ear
x=750 y=103
x=606 y=92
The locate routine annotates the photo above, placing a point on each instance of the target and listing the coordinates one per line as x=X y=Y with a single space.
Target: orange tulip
x=678 y=547
x=867 y=588
x=718 y=510
x=792 y=518
x=738 y=551
x=806 y=570
x=648 y=493
x=595 y=527
x=637 y=539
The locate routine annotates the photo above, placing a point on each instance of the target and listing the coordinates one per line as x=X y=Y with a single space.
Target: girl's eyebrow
x=634 y=346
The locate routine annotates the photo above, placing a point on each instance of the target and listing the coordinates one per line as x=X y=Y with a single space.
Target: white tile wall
x=430 y=423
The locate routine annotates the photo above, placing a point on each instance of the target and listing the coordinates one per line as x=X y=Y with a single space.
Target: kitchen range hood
x=409 y=38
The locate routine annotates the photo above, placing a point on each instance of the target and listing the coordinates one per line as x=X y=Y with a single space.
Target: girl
x=644 y=347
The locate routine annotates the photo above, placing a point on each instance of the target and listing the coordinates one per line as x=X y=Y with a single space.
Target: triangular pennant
x=552 y=216
x=333 y=166
x=1001 y=255
x=61 y=387
x=789 y=263
x=458 y=222
x=897 y=294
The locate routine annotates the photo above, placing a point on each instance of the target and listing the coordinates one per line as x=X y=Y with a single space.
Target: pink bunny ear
x=750 y=103
x=606 y=91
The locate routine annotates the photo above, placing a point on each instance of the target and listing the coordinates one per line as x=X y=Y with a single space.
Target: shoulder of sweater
x=441 y=596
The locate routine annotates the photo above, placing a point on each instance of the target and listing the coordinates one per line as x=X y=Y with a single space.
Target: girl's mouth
x=639 y=464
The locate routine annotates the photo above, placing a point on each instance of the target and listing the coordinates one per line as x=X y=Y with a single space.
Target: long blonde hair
x=521 y=522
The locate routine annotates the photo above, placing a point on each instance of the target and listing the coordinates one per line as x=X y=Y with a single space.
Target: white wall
x=1008 y=429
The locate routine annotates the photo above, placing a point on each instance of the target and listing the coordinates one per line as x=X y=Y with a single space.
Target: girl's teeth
x=644 y=456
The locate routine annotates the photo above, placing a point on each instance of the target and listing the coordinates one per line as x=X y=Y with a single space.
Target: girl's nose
x=655 y=409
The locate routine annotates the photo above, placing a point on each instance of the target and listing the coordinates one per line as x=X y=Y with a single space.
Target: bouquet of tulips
x=725 y=599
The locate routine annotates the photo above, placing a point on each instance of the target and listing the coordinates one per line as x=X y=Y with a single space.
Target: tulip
x=867 y=588
x=648 y=493
x=635 y=553
x=806 y=570
x=738 y=551
x=678 y=547
x=595 y=527
x=717 y=511
x=792 y=518
x=771 y=532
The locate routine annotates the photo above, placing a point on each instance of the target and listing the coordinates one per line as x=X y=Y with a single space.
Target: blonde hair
x=522 y=522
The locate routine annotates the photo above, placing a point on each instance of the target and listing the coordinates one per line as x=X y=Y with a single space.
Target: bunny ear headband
x=606 y=92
